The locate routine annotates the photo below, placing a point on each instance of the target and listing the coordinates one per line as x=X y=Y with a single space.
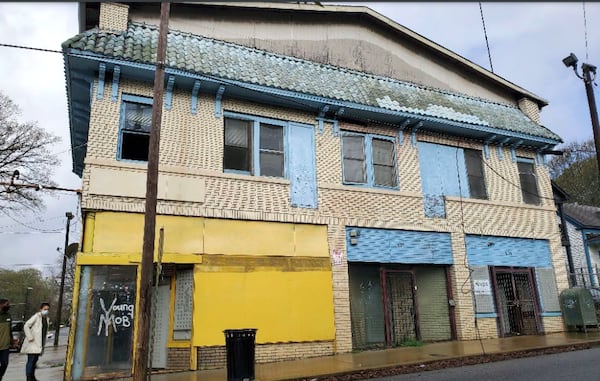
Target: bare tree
x=25 y=159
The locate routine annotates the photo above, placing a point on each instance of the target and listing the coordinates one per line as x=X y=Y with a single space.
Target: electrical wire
x=587 y=58
x=31 y=227
x=487 y=44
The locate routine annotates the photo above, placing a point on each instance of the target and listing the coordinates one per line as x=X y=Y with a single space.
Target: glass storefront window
x=105 y=315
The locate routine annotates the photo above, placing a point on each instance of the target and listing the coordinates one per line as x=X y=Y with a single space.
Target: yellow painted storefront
x=275 y=277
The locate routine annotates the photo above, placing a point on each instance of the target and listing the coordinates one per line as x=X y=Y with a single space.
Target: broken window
x=136 y=121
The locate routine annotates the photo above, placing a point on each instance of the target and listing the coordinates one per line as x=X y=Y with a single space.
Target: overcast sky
x=527 y=43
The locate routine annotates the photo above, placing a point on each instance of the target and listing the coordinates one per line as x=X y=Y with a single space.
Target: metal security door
x=161 y=327
x=516 y=301
x=400 y=307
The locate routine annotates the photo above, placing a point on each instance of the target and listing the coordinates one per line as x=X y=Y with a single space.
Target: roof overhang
x=82 y=67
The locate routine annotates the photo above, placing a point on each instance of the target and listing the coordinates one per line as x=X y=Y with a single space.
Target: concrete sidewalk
x=417 y=358
x=428 y=356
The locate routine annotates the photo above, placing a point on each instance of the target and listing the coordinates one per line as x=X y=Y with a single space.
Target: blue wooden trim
x=413 y=135
x=218 y=98
x=169 y=97
x=115 y=83
x=513 y=154
x=136 y=99
x=291 y=94
x=500 y=155
x=340 y=112
x=401 y=131
x=486 y=315
x=522 y=159
x=486 y=151
x=550 y=314
x=321 y=116
x=336 y=128
x=101 y=77
x=195 y=90
x=369 y=159
x=320 y=125
x=588 y=258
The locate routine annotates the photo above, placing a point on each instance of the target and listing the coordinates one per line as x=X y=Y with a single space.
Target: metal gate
x=161 y=326
x=516 y=301
x=401 y=320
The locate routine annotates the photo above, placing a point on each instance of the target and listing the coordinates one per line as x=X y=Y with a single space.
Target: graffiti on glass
x=116 y=315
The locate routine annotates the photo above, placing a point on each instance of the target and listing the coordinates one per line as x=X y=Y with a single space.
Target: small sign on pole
x=338 y=257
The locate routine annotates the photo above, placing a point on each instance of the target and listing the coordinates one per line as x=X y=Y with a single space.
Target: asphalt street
x=581 y=365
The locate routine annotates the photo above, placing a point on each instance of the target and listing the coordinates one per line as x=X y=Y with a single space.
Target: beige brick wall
x=530 y=108
x=113 y=16
x=192 y=145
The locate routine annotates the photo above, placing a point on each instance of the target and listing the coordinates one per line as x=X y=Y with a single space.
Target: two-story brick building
x=327 y=176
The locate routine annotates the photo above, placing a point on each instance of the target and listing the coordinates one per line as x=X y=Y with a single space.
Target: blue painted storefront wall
x=399 y=246
x=502 y=251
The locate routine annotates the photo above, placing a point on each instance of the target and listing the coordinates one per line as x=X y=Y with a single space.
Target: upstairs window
x=451 y=171
x=254 y=145
x=134 y=133
x=529 y=188
x=369 y=160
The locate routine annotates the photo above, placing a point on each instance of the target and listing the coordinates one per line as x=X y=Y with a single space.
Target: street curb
x=448 y=362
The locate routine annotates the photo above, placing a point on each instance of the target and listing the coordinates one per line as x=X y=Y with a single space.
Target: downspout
x=567 y=244
x=587 y=257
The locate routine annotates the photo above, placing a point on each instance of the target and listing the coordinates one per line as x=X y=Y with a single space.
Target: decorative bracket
x=413 y=134
x=218 y=98
x=513 y=154
x=115 y=84
x=169 y=98
x=195 y=90
x=101 y=76
x=401 y=131
x=503 y=142
x=320 y=117
x=486 y=146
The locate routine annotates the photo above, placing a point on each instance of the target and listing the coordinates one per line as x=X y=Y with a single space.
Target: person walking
x=36 y=329
x=5 y=335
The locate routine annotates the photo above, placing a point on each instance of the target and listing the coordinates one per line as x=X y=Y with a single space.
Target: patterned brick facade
x=191 y=145
x=113 y=16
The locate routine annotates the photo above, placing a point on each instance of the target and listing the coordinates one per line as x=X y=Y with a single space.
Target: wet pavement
x=50 y=366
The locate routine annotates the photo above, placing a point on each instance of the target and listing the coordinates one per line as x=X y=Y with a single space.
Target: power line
x=585 y=31
x=487 y=44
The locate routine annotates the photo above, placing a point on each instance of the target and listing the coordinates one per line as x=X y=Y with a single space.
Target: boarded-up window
x=529 y=187
x=353 y=147
x=475 y=174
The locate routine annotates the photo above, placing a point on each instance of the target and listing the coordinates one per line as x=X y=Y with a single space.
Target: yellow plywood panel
x=124 y=232
x=248 y=237
x=283 y=306
x=311 y=241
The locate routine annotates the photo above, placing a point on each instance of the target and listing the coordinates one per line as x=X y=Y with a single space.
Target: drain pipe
x=567 y=244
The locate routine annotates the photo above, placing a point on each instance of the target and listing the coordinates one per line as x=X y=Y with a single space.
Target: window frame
x=527 y=160
x=470 y=175
x=254 y=141
x=132 y=99
x=369 y=166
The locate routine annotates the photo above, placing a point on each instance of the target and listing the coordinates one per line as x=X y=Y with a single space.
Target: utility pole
x=140 y=364
x=69 y=216
x=587 y=69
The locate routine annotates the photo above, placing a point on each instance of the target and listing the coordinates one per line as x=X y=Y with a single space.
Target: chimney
x=113 y=17
x=530 y=108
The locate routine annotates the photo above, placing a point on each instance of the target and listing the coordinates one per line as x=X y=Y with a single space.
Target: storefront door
x=516 y=301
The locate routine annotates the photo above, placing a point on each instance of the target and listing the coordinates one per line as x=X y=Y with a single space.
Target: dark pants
x=32 y=359
x=3 y=361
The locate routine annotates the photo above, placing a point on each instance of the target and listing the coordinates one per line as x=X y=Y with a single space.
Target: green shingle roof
x=210 y=57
